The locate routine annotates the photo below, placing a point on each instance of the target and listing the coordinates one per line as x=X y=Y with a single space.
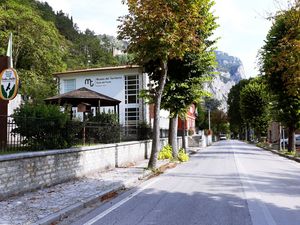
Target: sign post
x=4 y=63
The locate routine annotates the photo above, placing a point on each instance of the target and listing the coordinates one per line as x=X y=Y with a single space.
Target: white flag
x=9 y=51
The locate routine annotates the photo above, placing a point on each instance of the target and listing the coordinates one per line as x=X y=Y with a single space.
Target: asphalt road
x=229 y=183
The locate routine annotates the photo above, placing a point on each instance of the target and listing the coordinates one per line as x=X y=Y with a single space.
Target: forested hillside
x=45 y=42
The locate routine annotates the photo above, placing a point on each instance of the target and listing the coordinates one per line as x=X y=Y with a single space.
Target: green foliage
x=45 y=127
x=234 y=112
x=162 y=30
x=201 y=119
x=211 y=103
x=280 y=54
x=178 y=96
x=144 y=131
x=104 y=118
x=103 y=128
x=182 y=156
x=36 y=87
x=255 y=107
x=280 y=63
x=38 y=48
x=219 y=122
x=87 y=51
x=45 y=42
x=165 y=153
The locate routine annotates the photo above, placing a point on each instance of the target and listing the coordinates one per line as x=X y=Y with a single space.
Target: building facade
x=190 y=121
x=123 y=83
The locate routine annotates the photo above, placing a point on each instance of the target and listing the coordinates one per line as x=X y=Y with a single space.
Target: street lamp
x=208 y=119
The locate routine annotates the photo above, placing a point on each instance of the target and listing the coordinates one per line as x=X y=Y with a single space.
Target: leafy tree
x=177 y=98
x=280 y=63
x=184 y=87
x=254 y=106
x=218 y=118
x=66 y=26
x=38 y=48
x=186 y=76
x=234 y=113
x=211 y=103
x=201 y=120
x=219 y=122
x=158 y=31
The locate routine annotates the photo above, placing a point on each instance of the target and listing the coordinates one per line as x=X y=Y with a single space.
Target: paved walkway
x=47 y=205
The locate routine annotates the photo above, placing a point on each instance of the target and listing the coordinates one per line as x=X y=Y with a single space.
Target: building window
x=132 y=117
x=69 y=85
x=132 y=89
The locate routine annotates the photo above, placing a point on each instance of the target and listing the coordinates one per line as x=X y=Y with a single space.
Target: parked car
x=286 y=141
x=223 y=137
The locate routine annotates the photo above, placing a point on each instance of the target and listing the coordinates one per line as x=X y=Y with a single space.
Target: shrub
x=144 y=131
x=44 y=127
x=191 y=132
x=103 y=128
x=105 y=118
x=182 y=156
x=165 y=153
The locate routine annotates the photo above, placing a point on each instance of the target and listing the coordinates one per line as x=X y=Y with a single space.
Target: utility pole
x=208 y=119
x=280 y=135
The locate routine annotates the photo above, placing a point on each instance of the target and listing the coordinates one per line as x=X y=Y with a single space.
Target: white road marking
x=258 y=211
x=117 y=205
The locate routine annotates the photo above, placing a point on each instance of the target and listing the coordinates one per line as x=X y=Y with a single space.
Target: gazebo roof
x=83 y=95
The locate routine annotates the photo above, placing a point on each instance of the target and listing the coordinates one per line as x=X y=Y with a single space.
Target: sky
x=242 y=23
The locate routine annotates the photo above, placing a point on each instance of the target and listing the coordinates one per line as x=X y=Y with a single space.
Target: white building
x=123 y=83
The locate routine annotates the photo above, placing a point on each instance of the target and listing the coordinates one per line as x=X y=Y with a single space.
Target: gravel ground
x=34 y=206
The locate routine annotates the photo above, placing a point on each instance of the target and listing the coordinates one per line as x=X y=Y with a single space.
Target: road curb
x=77 y=206
x=57 y=216
x=281 y=154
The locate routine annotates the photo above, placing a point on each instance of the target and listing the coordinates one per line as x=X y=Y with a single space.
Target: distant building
x=190 y=121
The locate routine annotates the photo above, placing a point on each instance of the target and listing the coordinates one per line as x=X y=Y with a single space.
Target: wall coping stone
x=26 y=155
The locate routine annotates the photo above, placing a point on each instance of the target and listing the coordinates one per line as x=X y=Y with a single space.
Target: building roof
x=98 y=69
x=83 y=95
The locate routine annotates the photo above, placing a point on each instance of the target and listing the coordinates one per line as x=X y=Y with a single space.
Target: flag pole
x=9 y=51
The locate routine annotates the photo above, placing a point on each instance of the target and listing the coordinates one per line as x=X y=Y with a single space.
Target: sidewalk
x=295 y=158
x=50 y=204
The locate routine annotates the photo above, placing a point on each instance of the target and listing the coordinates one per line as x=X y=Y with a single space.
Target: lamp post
x=208 y=119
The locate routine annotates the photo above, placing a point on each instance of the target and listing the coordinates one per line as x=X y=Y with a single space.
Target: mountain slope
x=230 y=71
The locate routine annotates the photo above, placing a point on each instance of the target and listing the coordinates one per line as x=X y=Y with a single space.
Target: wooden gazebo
x=84 y=97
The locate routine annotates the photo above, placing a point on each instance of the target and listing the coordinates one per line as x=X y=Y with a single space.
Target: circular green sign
x=9 y=84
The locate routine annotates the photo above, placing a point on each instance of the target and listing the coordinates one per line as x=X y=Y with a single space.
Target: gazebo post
x=83 y=130
x=99 y=105
x=118 y=113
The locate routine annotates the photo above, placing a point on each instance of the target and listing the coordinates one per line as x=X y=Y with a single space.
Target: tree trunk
x=157 y=102
x=291 y=140
x=170 y=132
x=183 y=135
x=173 y=136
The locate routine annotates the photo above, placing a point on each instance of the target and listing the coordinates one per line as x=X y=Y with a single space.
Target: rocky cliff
x=230 y=71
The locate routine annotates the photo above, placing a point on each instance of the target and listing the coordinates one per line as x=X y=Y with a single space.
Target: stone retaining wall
x=30 y=171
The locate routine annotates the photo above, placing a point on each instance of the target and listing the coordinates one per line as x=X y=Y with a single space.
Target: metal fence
x=8 y=139
x=32 y=134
